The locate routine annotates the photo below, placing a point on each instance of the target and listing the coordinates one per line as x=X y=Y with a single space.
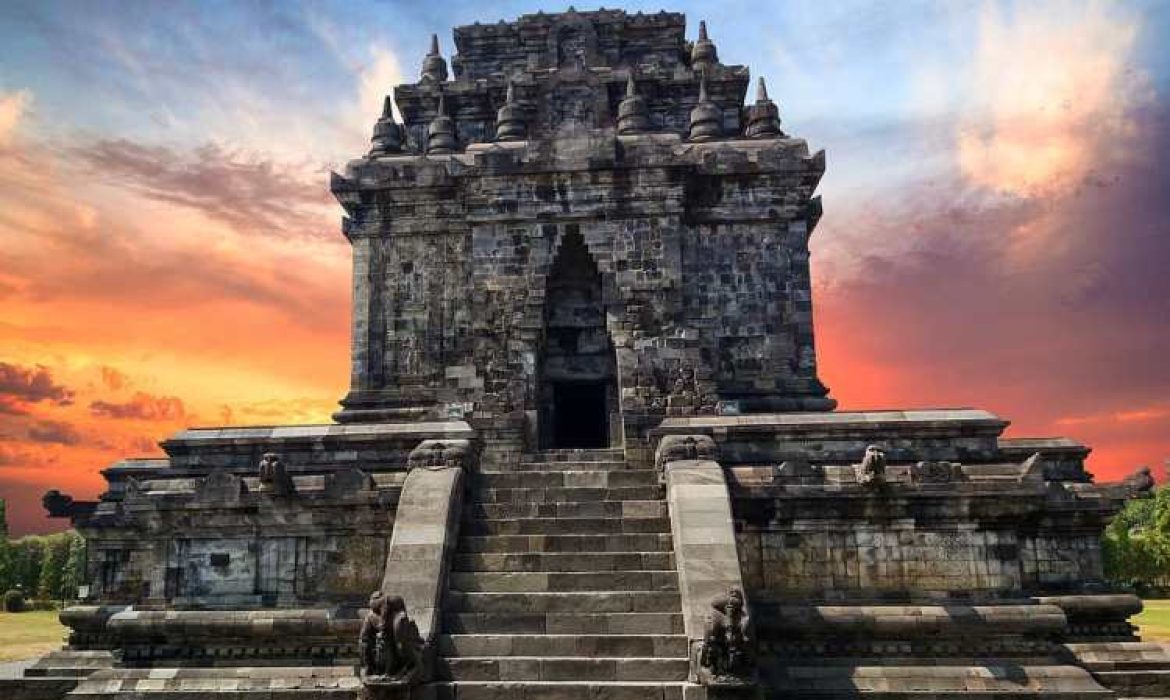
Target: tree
x=56 y=555
x=74 y=574
x=1136 y=545
x=6 y=581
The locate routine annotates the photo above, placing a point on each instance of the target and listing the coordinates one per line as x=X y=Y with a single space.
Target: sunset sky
x=995 y=233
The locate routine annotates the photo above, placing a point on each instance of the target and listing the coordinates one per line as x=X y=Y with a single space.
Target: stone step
x=568 y=455
x=562 y=623
x=566 y=526
x=567 y=495
x=257 y=682
x=564 y=561
x=565 y=544
x=980 y=682
x=591 y=479
x=527 y=465
x=552 y=668
x=594 y=645
x=540 y=581
x=1118 y=656
x=1136 y=683
x=565 y=602
x=36 y=688
x=69 y=663
x=556 y=690
x=581 y=509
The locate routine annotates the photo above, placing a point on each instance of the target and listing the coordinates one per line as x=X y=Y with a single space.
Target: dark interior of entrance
x=578 y=387
x=577 y=408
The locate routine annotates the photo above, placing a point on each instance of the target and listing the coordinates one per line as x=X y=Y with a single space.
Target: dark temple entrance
x=577 y=408
x=578 y=386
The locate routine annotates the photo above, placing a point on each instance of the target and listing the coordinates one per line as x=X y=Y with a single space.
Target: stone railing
x=713 y=603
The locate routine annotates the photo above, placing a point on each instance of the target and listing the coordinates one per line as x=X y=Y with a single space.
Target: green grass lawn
x=1154 y=621
x=27 y=634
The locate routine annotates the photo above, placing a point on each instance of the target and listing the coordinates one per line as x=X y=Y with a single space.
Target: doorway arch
x=578 y=391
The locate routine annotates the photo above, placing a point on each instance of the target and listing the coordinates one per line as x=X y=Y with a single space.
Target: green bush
x=14 y=601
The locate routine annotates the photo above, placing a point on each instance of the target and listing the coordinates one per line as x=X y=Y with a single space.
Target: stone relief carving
x=440 y=454
x=347 y=482
x=571 y=46
x=725 y=657
x=872 y=470
x=408 y=355
x=676 y=447
x=390 y=648
x=1139 y=483
x=572 y=105
x=941 y=472
x=684 y=394
x=274 y=478
x=221 y=487
x=797 y=469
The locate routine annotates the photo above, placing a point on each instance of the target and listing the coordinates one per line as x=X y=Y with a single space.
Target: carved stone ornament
x=274 y=478
x=872 y=470
x=797 y=469
x=440 y=454
x=1140 y=483
x=62 y=505
x=221 y=486
x=390 y=649
x=676 y=447
x=937 y=472
x=725 y=655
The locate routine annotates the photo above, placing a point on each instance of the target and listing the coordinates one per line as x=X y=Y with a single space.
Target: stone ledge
x=939 y=680
x=279 y=434
x=908 y=621
x=236 y=624
x=1116 y=606
x=835 y=422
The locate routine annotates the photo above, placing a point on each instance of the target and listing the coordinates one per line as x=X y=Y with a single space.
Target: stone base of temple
x=897 y=554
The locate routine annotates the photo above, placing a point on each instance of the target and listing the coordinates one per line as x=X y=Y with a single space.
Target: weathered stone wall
x=859 y=559
x=201 y=529
x=254 y=552
x=701 y=247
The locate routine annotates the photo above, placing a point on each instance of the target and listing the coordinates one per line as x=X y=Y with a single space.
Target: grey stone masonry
x=672 y=274
x=425 y=528
x=585 y=452
x=565 y=593
x=704 y=540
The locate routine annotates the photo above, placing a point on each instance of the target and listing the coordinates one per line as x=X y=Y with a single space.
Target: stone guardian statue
x=390 y=648
x=725 y=656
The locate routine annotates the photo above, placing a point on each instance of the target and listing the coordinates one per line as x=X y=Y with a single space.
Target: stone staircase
x=564 y=585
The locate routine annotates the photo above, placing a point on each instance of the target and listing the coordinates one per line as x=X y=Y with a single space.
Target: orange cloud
x=13 y=105
x=141 y=406
x=1049 y=82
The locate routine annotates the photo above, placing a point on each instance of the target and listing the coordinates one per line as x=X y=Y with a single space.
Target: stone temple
x=585 y=453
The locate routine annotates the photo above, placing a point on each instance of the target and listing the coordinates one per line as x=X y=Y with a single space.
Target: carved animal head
x=377 y=602
x=874 y=457
x=735 y=600
x=392 y=605
x=1140 y=482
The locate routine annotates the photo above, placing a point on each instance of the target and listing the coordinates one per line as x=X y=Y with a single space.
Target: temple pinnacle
x=441 y=131
x=633 y=114
x=387 y=134
x=763 y=118
x=706 y=117
x=510 y=122
x=434 y=67
x=703 y=54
